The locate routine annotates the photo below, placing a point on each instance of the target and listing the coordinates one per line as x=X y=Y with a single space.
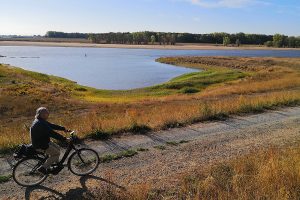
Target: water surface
x=113 y=68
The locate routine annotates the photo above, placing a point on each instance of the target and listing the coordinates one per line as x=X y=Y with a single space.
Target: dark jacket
x=41 y=131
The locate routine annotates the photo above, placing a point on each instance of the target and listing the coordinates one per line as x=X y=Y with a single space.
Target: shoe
x=42 y=170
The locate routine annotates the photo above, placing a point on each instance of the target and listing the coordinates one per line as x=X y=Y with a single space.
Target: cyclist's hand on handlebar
x=68 y=140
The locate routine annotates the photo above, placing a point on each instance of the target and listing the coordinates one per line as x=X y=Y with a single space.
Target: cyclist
x=40 y=133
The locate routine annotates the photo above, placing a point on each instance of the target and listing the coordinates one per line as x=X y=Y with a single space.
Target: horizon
x=43 y=35
x=183 y=16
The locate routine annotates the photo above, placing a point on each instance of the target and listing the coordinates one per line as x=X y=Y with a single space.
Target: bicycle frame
x=70 y=147
x=58 y=167
x=67 y=153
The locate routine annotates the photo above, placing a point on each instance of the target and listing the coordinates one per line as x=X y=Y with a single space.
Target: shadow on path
x=82 y=192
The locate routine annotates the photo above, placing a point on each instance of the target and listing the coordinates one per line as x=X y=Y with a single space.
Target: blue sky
x=29 y=17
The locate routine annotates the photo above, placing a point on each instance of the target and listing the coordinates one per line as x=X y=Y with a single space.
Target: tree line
x=56 y=34
x=279 y=40
x=148 y=37
x=164 y=38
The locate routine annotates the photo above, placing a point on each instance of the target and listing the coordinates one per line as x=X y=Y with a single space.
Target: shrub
x=99 y=135
x=136 y=128
x=189 y=90
x=269 y=43
x=81 y=89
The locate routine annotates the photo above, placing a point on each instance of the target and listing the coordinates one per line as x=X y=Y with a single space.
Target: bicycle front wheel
x=25 y=172
x=83 y=162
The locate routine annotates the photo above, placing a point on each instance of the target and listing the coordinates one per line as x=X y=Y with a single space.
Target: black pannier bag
x=24 y=150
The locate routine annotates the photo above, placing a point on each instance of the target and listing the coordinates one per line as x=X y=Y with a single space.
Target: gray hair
x=39 y=111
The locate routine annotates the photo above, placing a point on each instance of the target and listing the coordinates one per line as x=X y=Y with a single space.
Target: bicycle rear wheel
x=25 y=172
x=83 y=162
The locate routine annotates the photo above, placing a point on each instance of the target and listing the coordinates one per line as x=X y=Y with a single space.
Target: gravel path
x=208 y=142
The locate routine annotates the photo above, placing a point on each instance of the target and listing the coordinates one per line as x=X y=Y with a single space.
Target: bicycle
x=83 y=161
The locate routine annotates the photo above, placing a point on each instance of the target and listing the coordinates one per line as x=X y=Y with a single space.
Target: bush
x=226 y=41
x=136 y=128
x=100 y=135
x=269 y=43
x=189 y=90
x=81 y=89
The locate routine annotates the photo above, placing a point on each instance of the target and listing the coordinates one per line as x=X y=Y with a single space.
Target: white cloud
x=227 y=3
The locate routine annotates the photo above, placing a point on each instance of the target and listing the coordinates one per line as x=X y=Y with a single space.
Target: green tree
x=92 y=38
x=226 y=41
x=278 y=40
x=297 y=42
x=291 y=41
x=168 y=38
x=173 y=39
x=237 y=42
x=159 y=40
x=269 y=43
x=153 y=39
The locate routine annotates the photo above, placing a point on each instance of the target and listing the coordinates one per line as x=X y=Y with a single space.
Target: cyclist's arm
x=57 y=136
x=56 y=127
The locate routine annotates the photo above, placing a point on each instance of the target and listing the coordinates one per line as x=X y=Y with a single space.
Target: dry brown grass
x=267 y=174
x=269 y=82
x=271 y=174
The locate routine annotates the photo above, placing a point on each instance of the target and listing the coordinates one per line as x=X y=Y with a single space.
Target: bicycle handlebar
x=72 y=133
x=74 y=138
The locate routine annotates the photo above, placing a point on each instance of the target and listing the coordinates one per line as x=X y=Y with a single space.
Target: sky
x=36 y=17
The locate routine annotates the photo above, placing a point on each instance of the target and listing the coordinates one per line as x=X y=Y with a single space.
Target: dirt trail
x=208 y=142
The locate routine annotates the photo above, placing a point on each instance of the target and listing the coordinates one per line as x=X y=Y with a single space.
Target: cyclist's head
x=42 y=113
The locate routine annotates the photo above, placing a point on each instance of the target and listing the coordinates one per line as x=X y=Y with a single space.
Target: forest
x=168 y=38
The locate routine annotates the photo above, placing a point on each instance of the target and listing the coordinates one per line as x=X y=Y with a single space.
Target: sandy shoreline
x=126 y=46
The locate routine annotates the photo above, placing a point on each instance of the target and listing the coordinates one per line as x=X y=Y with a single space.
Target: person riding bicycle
x=40 y=133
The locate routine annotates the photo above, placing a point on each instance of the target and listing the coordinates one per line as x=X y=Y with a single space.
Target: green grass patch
x=5 y=178
x=160 y=147
x=142 y=149
x=108 y=158
x=183 y=141
x=80 y=89
x=123 y=154
x=194 y=82
x=189 y=90
x=172 y=143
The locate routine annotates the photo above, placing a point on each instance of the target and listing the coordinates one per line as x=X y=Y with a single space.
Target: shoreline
x=179 y=46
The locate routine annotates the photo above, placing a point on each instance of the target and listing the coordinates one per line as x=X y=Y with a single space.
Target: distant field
x=228 y=85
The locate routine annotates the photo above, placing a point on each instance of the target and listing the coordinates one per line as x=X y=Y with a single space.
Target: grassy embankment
x=227 y=86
